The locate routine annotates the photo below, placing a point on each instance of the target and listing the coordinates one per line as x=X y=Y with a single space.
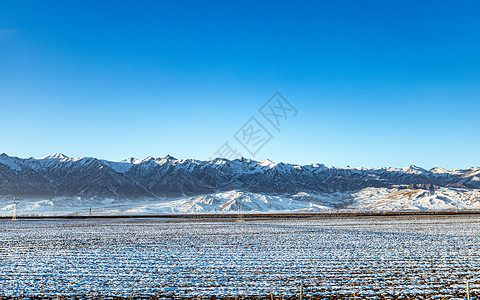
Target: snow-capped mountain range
x=166 y=185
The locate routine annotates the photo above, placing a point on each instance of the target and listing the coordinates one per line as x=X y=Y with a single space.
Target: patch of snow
x=267 y=163
x=54 y=156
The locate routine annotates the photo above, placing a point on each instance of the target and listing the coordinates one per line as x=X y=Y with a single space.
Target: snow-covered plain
x=367 y=257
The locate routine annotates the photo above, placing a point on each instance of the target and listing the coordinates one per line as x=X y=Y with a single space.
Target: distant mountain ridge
x=57 y=175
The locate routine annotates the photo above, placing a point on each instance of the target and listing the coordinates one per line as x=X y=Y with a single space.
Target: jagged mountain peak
x=413 y=169
x=55 y=156
x=438 y=170
x=267 y=163
x=219 y=161
x=169 y=157
x=242 y=160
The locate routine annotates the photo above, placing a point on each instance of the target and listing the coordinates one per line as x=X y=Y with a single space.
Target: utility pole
x=240 y=212
x=15 y=202
x=468 y=290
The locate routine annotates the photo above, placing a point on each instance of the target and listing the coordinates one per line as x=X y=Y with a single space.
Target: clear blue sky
x=375 y=83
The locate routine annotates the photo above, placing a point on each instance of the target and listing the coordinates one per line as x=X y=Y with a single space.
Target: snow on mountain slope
x=383 y=199
x=221 y=203
x=229 y=202
x=55 y=182
x=9 y=162
x=367 y=200
x=122 y=166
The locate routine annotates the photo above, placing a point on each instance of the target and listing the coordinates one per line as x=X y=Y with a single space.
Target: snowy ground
x=371 y=256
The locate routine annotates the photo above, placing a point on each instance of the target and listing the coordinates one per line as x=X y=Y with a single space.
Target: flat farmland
x=394 y=257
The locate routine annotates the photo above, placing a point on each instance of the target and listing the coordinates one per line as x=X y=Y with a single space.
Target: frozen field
x=369 y=257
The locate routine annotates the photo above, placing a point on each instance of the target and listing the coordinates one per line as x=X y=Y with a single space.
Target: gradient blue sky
x=375 y=83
